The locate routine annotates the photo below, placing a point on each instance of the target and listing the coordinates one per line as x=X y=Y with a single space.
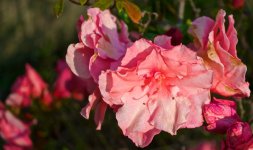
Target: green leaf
x=82 y=2
x=103 y=4
x=58 y=7
x=119 y=5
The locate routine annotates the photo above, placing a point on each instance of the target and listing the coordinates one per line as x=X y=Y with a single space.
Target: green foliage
x=103 y=4
x=82 y=2
x=58 y=7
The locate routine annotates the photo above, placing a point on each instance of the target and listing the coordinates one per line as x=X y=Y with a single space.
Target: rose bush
x=147 y=83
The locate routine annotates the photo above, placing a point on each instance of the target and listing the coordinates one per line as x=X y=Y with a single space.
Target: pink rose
x=12 y=130
x=157 y=87
x=218 y=49
x=238 y=134
x=220 y=115
x=69 y=85
x=28 y=86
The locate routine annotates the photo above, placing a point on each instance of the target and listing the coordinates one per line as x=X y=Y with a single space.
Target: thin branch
x=241 y=108
x=181 y=9
x=195 y=9
x=149 y=15
x=75 y=2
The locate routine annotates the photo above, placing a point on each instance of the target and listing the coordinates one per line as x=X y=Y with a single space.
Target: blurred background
x=30 y=32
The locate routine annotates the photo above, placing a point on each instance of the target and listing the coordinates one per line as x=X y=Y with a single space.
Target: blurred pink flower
x=157 y=87
x=14 y=147
x=220 y=115
x=28 y=86
x=206 y=145
x=237 y=135
x=237 y=4
x=13 y=131
x=218 y=49
x=69 y=85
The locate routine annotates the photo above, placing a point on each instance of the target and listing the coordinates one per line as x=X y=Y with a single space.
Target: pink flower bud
x=220 y=115
x=237 y=4
x=239 y=133
x=176 y=35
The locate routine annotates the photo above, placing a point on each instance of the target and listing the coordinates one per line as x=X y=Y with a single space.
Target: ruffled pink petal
x=123 y=35
x=233 y=82
x=100 y=114
x=232 y=36
x=88 y=34
x=133 y=120
x=107 y=50
x=79 y=27
x=220 y=31
x=200 y=29
x=168 y=112
x=195 y=118
x=143 y=139
x=180 y=53
x=93 y=99
x=97 y=65
x=113 y=85
x=153 y=63
x=95 y=102
x=109 y=28
x=137 y=51
x=133 y=115
x=78 y=58
x=163 y=41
